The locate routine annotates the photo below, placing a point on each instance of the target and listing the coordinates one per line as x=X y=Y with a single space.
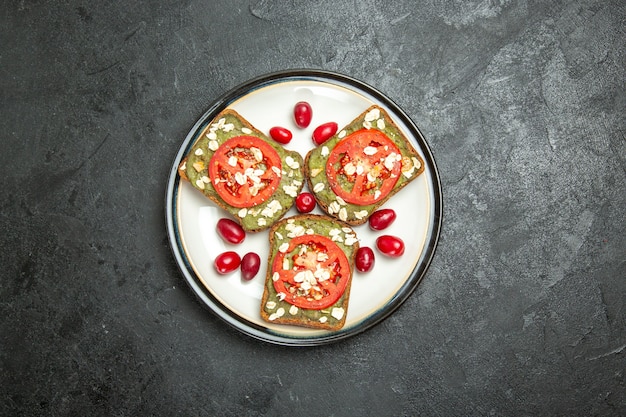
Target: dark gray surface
x=522 y=311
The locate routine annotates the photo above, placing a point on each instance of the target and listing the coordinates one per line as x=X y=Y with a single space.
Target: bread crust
x=326 y=198
x=269 y=292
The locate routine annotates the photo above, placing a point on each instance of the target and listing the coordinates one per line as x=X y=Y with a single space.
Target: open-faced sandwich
x=358 y=169
x=309 y=273
x=243 y=171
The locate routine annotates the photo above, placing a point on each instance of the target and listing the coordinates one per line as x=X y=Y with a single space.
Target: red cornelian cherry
x=230 y=231
x=382 y=219
x=305 y=202
x=281 y=134
x=324 y=132
x=227 y=262
x=365 y=259
x=250 y=265
x=302 y=114
x=391 y=246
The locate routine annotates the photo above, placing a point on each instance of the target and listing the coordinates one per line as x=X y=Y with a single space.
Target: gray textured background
x=522 y=311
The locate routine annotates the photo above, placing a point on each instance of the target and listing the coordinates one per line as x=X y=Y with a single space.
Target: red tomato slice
x=364 y=167
x=316 y=275
x=242 y=171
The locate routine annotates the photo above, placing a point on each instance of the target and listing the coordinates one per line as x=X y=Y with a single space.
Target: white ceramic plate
x=191 y=218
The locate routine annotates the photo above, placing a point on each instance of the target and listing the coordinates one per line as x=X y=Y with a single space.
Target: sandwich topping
x=310 y=272
x=245 y=171
x=364 y=167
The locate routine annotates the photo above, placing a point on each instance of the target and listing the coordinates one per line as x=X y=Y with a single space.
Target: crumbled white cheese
x=272 y=208
x=349 y=168
x=391 y=160
x=292 y=163
x=370 y=150
x=277 y=171
x=333 y=208
x=256 y=152
x=295 y=231
x=290 y=190
x=343 y=214
x=322 y=274
x=372 y=115
x=220 y=123
x=337 y=312
x=240 y=178
x=322 y=257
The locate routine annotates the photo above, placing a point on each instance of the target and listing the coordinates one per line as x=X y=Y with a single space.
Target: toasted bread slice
x=309 y=274
x=195 y=168
x=408 y=166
